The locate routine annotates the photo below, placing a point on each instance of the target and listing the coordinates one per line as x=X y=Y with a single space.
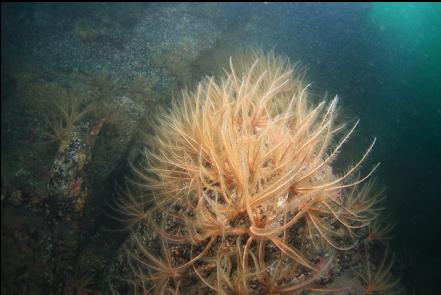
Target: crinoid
x=129 y=209
x=65 y=109
x=245 y=198
x=378 y=279
x=380 y=232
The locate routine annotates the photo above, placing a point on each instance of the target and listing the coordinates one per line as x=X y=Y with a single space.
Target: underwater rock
x=62 y=208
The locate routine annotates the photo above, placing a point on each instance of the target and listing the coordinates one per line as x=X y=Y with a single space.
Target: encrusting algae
x=244 y=197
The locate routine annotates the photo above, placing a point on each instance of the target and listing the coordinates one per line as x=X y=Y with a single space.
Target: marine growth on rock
x=238 y=193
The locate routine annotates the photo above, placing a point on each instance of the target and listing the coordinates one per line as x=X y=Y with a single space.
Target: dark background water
x=383 y=60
